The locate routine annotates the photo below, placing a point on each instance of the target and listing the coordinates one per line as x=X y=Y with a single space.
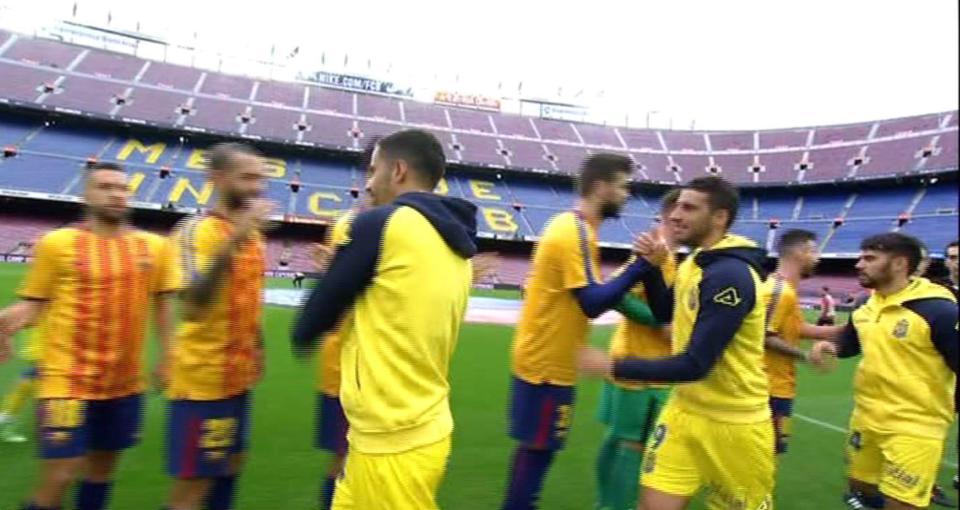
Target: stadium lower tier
x=44 y=161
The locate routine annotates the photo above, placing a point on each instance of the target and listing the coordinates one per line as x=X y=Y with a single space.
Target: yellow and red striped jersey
x=99 y=292
x=217 y=355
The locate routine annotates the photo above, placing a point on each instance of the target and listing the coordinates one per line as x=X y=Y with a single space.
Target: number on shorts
x=63 y=413
x=218 y=432
x=564 y=419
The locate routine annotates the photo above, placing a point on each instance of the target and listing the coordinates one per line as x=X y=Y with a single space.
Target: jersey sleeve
x=193 y=248
x=781 y=309
x=568 y=246
x=727 y=295
x=40 y=280
x=941 y=317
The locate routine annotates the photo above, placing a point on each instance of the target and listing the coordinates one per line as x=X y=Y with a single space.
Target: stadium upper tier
x=46 y=162
x=51 y=75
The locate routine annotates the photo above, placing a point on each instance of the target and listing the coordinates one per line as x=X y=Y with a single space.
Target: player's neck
x=712 y=239
x=788 y=271
x=590 y=212
x=224 y=210
x=103 y=228
x=895 y=285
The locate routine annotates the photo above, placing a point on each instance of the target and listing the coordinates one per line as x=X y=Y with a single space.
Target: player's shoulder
x=563 y=226
x=58 y=238
x=933 y=309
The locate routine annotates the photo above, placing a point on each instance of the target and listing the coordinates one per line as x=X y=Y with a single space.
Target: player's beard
x=610 y=210
x=109 y=216
x=872 y=282
x=236 y=200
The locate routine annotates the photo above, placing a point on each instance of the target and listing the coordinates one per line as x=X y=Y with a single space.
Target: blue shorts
x=31 y=372
x=541 y=414
x=331 y=425
x=782 y=410
x=71 y=428
x=202 y=434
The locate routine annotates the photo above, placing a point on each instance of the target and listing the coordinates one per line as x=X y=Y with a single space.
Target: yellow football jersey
x=784 y=318
x=736 y=389
x=328 y=360
x=552 y=325
x=631 y=339
x=98 y=292
x=218 y=355
x=902 y=384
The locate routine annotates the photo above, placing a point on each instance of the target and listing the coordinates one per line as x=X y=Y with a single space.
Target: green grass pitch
x=284 y=470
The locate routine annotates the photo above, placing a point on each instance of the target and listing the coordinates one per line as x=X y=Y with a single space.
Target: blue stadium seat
x=940 y=197
x=39 y=173
x=881 y=203
x=67 y=142
x=13 y=131
x=823 y=204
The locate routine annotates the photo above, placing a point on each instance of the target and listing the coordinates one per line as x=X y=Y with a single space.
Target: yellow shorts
x=903 y=467
x=734 y=461
x=394 y=481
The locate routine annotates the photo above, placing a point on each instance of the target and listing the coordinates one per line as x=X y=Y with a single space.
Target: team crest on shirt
x=901 y=329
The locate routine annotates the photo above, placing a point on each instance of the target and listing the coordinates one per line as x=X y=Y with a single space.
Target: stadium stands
x=47 y=74
x=50 y=158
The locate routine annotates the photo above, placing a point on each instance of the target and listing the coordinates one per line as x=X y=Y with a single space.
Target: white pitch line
x=830 y=426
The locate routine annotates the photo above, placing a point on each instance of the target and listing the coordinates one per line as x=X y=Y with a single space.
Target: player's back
x=736 y=389
x=215 y=354
x=398 y=342
x=552 y=325
x=99 y=290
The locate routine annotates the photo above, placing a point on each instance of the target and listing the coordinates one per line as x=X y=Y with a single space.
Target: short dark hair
x=220 y=156
x=721 y=195
x=420 y=149
x=898 y=245
x=602 y=166
x=669 y=200
x=825 y=288
x=793 y=238
x=104 y=165
x=953 y=244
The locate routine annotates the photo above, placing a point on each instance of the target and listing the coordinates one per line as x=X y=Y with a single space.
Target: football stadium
x=81 y=99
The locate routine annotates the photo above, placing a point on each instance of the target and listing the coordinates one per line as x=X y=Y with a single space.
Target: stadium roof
x=722 y=65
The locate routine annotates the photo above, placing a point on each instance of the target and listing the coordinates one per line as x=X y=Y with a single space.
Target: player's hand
x=651 y=247
x=321 y=255
x=593 y=362
x=823 y=356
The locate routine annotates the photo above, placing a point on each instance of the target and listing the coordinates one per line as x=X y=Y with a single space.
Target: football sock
x=221 y=493
x=526 y=478
x=606 y=460
x=93 y=495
